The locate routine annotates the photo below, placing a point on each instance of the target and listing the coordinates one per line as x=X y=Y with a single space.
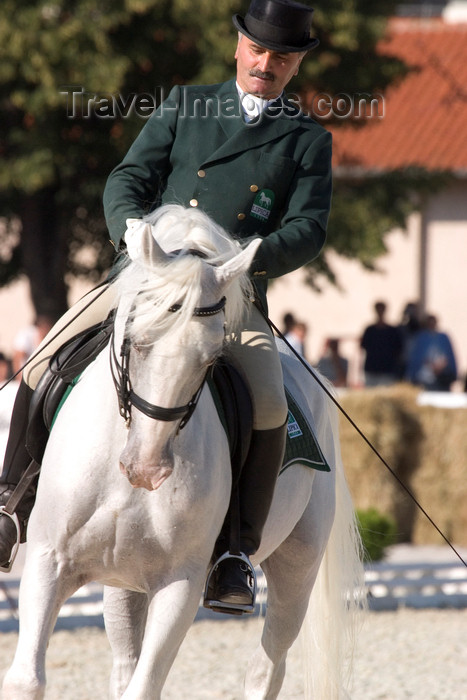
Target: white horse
x=151 y=546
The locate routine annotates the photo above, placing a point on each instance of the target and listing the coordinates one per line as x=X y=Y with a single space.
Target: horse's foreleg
x=291 y=573
x=171 y=613
x=125 y=614
x=41 y=596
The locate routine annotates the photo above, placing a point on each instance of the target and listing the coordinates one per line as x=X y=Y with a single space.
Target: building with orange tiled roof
x=423 y=122
x=420 y=122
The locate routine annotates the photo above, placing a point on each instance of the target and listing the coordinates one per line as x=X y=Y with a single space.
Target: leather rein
x=127 y=398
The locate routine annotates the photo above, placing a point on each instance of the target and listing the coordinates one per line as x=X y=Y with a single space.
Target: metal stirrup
x=232 y=608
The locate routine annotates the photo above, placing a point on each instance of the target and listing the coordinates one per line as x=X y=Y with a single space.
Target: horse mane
x=148 y=289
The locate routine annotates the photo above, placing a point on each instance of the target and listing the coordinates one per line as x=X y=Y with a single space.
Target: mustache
x=256 y=73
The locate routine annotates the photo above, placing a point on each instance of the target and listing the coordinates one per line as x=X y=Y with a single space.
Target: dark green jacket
x=271 y=178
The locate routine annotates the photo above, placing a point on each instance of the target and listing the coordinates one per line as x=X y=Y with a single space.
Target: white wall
x=447 y=266
x=16 y=309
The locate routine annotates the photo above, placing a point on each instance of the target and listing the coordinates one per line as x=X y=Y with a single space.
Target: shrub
x=377 y=531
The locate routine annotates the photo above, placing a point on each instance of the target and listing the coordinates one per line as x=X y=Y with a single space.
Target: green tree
x=55 y=164
x=57 y=151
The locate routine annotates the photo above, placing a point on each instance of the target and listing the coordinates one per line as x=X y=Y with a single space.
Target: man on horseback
x=249 y=158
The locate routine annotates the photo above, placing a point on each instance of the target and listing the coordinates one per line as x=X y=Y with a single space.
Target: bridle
x=127 y=398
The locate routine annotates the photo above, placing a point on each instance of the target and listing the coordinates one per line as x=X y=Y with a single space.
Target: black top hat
x=278 y=25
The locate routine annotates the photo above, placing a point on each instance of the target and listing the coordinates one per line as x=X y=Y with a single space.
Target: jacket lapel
x=229 y=112
x=242 y=136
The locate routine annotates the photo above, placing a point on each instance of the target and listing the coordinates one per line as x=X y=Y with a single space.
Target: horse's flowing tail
x=338 y=598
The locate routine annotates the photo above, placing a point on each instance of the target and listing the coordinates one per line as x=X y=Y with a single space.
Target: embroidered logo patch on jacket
x=263 y=204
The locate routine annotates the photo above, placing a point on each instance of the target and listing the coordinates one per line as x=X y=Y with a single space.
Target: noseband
x=127 y=398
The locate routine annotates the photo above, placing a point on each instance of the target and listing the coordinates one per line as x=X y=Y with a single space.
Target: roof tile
x=425 y=116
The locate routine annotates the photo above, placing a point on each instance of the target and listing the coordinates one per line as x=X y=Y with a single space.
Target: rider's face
x=263 y=72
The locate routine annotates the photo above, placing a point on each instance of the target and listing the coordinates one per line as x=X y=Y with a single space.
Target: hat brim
x=272 y=45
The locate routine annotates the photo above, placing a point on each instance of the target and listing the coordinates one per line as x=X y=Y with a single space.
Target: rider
x=247 y=156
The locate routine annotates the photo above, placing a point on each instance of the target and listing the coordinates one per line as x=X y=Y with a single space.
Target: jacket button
x=193 y=202
x=201 y=173
x=240 y=216
x=254 y=188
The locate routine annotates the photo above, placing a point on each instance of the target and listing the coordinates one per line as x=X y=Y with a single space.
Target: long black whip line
x=315 y=377
x=54 y=337
x=362 y=435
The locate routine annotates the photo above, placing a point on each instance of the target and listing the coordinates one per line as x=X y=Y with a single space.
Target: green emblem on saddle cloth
x=301 y=444
x=263 y=204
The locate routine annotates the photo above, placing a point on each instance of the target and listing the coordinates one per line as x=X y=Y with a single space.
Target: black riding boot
x=232 y=578
x=17 y=460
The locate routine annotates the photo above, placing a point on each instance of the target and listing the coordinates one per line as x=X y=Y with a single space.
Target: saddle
x=63 y=370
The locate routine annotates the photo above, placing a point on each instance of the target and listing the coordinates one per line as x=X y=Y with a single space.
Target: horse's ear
x=238 y=264
x=150 y=248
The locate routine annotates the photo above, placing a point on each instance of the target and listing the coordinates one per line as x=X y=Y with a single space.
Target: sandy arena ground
x=416 y=654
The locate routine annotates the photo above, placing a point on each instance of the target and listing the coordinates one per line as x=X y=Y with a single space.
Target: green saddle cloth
x=301 y=444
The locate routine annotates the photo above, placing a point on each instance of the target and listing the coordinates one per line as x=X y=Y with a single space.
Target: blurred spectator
x=382 y=344
x=332 y=364
x=432 y=363
x=288 y=322
x=296 y=337
x=409 y=326
x=28 y=339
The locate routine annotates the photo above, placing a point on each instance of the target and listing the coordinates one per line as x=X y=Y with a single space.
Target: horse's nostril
x=128 y=472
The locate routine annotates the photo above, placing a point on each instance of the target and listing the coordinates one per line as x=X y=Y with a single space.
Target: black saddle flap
x=66 y=364
x=76 y=354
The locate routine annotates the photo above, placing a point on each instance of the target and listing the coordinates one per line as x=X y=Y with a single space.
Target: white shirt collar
x=252 y=105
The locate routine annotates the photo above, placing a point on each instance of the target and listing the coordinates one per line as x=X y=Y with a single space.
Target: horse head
x=174 y=331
